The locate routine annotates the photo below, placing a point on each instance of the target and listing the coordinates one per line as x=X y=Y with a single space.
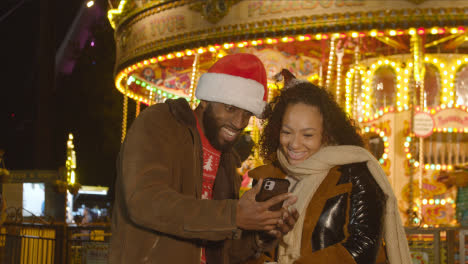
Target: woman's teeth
x=296 y=155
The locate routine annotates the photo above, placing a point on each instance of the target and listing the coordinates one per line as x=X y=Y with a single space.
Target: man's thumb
x=258 y=186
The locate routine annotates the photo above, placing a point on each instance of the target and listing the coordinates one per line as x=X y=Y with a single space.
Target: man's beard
x=212 y=130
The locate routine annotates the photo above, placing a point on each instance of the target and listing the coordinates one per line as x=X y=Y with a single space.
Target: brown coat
x=329 y=188
x=158 y=216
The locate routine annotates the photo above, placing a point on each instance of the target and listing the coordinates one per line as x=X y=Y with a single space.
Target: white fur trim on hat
x=232 y=90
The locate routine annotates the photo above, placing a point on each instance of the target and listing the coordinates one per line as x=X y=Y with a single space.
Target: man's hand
x=288 y=220
x=253 y=215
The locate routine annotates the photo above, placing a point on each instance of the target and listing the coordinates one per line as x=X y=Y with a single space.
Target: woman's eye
x=308 y=135
x=284 y=132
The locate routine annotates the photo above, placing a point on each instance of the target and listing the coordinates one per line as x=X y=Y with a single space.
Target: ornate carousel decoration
x=385 y=62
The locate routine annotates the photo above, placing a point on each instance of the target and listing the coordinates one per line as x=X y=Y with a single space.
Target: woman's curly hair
x=338 y=128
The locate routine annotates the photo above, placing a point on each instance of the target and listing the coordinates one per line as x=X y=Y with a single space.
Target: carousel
x=399 y=68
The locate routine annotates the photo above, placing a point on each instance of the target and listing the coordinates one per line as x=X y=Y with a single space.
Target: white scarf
x=311 y=173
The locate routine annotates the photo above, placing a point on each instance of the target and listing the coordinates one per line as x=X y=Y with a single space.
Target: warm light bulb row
x=438 y=201
x=331 y=62
x=216 y=48
x=351 y=83
x=381 y=133
x=409 y=157
x=339 y=64
x=447 y=69
x=160 y=92
x=447 y=73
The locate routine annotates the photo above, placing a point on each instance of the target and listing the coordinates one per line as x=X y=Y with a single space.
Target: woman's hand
x=288 y=220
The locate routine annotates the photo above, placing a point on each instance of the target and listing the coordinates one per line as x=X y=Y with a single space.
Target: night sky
x=37 y=112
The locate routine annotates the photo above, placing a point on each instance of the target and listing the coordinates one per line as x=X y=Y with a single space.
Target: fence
x=25 y=243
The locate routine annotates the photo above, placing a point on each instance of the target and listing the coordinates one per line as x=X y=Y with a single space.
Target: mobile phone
x=272 y=187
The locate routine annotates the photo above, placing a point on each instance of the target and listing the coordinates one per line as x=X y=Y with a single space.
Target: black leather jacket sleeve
x=366 y=212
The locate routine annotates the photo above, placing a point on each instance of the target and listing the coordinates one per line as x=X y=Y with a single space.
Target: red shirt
x=211 y=157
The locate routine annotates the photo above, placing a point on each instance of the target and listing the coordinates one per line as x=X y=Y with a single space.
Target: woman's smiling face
x=301 y=132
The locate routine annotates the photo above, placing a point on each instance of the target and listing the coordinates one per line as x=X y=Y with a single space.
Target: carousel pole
x=355 y=95
x=193 y=80
x=331 y=60
x=124 y=115
x=339 y=63
x=418 y=76
x=137 y=110
x=320 y=83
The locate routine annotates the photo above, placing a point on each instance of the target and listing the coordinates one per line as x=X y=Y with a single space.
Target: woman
x=346 y=204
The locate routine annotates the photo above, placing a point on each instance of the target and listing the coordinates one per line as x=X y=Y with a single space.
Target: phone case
x=272 y=187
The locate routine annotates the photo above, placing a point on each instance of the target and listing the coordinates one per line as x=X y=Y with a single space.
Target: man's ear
x=203 y=104
x=201 y=108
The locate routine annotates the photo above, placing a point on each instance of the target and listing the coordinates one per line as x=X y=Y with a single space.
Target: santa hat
x=237 y=79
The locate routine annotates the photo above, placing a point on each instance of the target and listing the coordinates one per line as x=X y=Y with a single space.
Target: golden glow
x=113 y=12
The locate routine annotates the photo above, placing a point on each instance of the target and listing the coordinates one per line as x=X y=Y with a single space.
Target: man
x=177 y=191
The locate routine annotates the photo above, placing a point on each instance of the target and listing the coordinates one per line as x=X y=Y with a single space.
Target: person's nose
x=295 y=142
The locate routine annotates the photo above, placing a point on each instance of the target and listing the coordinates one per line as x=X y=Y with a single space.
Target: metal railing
x=33 y=243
